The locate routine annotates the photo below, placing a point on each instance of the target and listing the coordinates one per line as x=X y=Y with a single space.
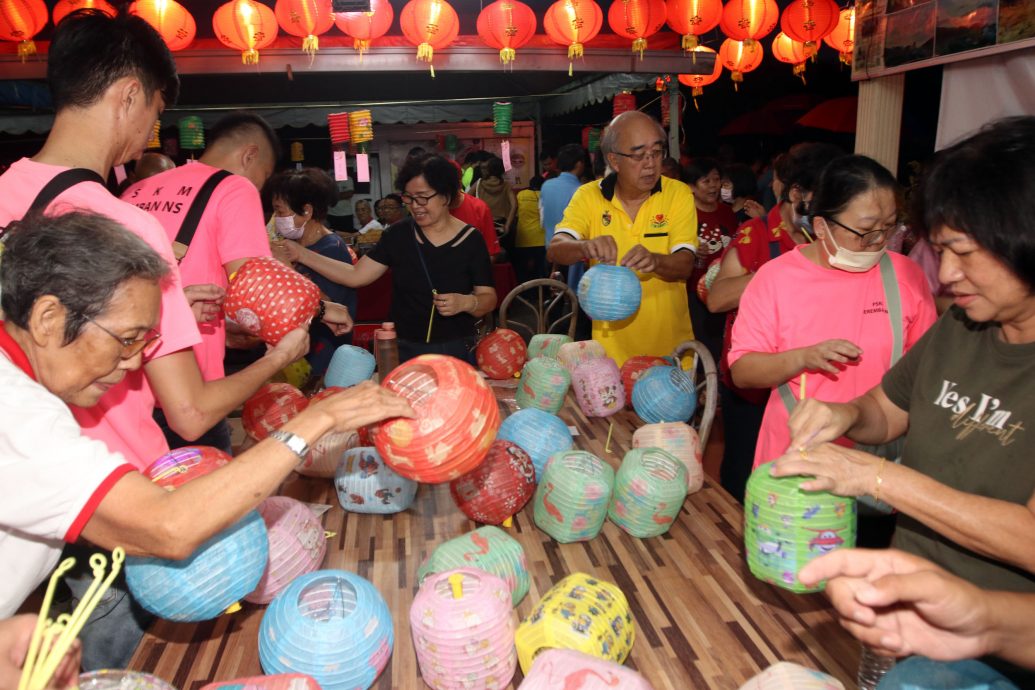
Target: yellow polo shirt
x=666 y=223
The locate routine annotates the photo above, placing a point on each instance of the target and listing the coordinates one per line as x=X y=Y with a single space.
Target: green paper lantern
x=544 y=383
x=192 y=133
x=572 y=497
x=546 y=345
x=452 y=143
x=502 y=117
x=487 y=548
x=650 y=488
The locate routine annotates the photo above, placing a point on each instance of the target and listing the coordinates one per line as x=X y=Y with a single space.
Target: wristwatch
x=295 y=443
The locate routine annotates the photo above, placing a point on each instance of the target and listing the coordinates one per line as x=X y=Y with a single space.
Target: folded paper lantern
x=681 y=442
x=634 y=368
x=332 y=625
x=456 y=420
x=365 y=484
x=623 y=102
x=582 y=613
x=297 y=545
x=609 y=293
x=538 y=433
x=501 y=354
x=546 y=345
x=463 y=630
x=284 y=681
x=704 y=284
x=562 y=669
x=499 y=487
x=664 y=394
x=544 y=383
x=114 y=679
x=785 y=527
x=502 y=117
x=787 y=676
x=597 y=385
x=349 y=365
x=192 y=133
x=361 y=126
x=572 y=497
x=573 y=354
x=650 y=488
x=486 y=548
x=271 y=407
x=180 y=466
x=338 y=124
x=268 y=299
x=219 y=573
x=326 y=453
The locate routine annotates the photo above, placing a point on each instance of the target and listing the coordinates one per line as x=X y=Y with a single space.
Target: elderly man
x=392 y=210
x=646 y=223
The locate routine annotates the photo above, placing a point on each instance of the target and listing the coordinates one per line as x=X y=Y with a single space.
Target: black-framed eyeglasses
x=410 y=199
x=869 y=239
x=131 y=347
x=640 y=156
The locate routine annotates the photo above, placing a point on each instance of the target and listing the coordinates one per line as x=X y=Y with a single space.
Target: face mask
x=285 y=225
x=853 y=262
x=726 y=194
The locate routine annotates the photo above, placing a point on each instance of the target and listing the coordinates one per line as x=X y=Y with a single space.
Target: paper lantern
x=349 y=365
x=506 y=25
x=271 y=407
x=792 y=52
x=693 y=18
x=170 y=19
x=306 y=19
x=562 y=669
x=637 y=20
x=664 y=394
x=842 y=38
x=681 y=442
x=597 y=385
x=581 y=613
x=219 y=573
x=365 y=484
x=268 y=299
x=296 y=545
x=284 y=681
x=571 y=500
x=155 y=140
x=365 y=27
x=20 y=20
x=430 y=25
x=749 y=20
x=501 y=354
x=113 y=679
x=62 y=8
x=784 y=675
x=361 y=126
x=544 y=383
x=738 y=59
x=809 y=21
x=538 y=433
x=456 y=419
x=463 y=630
x=609 y=293
x=704 y=284
x=179 y=466
x=573 y=23
x=573 y=354
x=332 y=625
x=546 y=345
x=297 y=152
x=192 y=133
x=697 y=82
x=245 y=25
x=325 y=454
x=499 y=487
x=502 y=117
x=338 y=124
x=591 y=139
x=650 y=487
x=623 y=102
x=634 y=368
x=785 y=527
x=486 y=548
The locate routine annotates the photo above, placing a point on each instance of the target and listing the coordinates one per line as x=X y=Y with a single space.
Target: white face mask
x=851 y=261
x=285 y=225
x=726 y=194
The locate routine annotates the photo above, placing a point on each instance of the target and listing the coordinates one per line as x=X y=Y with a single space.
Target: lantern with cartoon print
x=487 y=548
x=268 y=299
x=498 y=488
x=572 y=497
x=296 y=545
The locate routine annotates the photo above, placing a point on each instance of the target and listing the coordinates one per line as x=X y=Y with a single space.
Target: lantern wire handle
x=41 y=623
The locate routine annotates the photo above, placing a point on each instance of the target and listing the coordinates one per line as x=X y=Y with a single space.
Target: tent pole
x=538 y=135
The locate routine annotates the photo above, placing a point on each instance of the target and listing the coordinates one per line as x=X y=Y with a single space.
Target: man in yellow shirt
x=644 y=222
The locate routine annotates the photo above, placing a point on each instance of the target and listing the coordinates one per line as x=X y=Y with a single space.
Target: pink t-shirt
x=231 y=228
x=792 y=303
x=122 y=418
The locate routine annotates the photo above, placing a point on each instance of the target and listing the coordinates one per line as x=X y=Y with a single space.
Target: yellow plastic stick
x=456 y=581
x=41 y=623
x=431 y=318
x=509 y=522
x=801 y=387
x=610 y=430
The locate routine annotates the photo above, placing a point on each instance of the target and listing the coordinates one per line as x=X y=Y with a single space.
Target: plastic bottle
x=386 y=349
x=872 y=668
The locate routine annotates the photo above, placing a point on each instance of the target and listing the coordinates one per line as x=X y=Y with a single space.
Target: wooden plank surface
x=703 y=620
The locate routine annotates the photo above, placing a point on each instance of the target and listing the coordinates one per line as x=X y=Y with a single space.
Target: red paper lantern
x=506 y=25
x=497 y=488
x=786 y=49
x=573 y=23
x=842 y=38
x=501 y=354
x=62 y=8
x=20 y=20
x=245 y=25
x=179 y=466
x=809 y=21
x=635 y=367
x=749 y=20
x=306 y=19
x=271 y=407
x=637 y=20
x=170 y=19
x=364 y=27
x=738 y=58
x=429 y=25
x=697 y=82
x=456 y=420
x=692 y=18
x=623 y=103
x=268 y=299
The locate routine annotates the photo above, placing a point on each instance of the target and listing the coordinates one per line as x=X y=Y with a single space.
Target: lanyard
x=427 y=274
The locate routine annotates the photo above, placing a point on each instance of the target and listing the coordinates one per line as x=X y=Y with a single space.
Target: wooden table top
x=703 y=620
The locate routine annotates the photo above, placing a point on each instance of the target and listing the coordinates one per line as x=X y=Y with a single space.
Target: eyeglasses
x=640 y=156
x=390 y=207
x=131 y=347
x=410 y=199
x=869 y=239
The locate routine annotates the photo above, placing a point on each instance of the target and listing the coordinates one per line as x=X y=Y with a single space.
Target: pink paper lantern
x=326 y=453
x=679 y=440
x=573 y=354
x=268 y=299
x=499 y=487
x=283 y=681
x=597 y=385
x=561 y=669
x=297 y=545
x=501 y=354
x=272 y=406
x=179 y=466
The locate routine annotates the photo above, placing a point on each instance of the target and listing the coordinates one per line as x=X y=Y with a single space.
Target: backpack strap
x=189 y=226
x=63 y=181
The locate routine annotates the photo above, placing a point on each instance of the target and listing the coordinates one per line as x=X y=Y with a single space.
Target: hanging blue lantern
x=610 y=293
x=664 y=394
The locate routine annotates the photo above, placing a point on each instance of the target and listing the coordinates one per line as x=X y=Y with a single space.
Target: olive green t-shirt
x=971 y=403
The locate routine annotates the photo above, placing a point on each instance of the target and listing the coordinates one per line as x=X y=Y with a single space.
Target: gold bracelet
x=880 y=480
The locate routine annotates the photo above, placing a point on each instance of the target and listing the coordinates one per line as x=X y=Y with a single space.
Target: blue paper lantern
x=610 y=293
x=218 y=574
x=538 y=433
x=365 y=484
x=349 y=365
x=664 y=394
x=332 y=625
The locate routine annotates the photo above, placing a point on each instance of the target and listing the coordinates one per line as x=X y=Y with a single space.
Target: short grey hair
x=609 y=139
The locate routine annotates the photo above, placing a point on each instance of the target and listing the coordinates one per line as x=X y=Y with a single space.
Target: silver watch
x=295 y=443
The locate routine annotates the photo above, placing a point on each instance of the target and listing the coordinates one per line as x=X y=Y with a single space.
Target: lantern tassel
x=750 y=44
x=696 y=107
x=799 y=71
x=640 y=45
x=846 y=58
x=250 y=56
x=507 y=55
x=737 y=78
x=425 y=52
x=25 y=49
x=310 y=44
x=689 y=43
x=361 y=45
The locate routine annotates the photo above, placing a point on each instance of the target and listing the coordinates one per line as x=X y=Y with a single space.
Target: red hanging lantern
x=637 y=19
x=20 y=20
x=635 y=367
x=809 y=21
x=306 y=19
x=623 y=103
x=697 y=82
x=62 y=8
x=499 y=487
x=501 y=354
x=749 y=20
x=738 y=58
x=170 y=19
x=786 y=49
x=271 y=407
x=268 y=299
x=179 y=466
x=245 y=25
x=573 y=23
x=692 y=18
x=506 y=25
x=842 y=38
x=364 y=27
x=429 y=25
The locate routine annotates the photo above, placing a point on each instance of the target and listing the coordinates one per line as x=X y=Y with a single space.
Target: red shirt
x=714 y=230
x=474 y=211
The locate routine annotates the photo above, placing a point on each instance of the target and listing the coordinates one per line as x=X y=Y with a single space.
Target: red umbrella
x=835 y=115
x=775 y=117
